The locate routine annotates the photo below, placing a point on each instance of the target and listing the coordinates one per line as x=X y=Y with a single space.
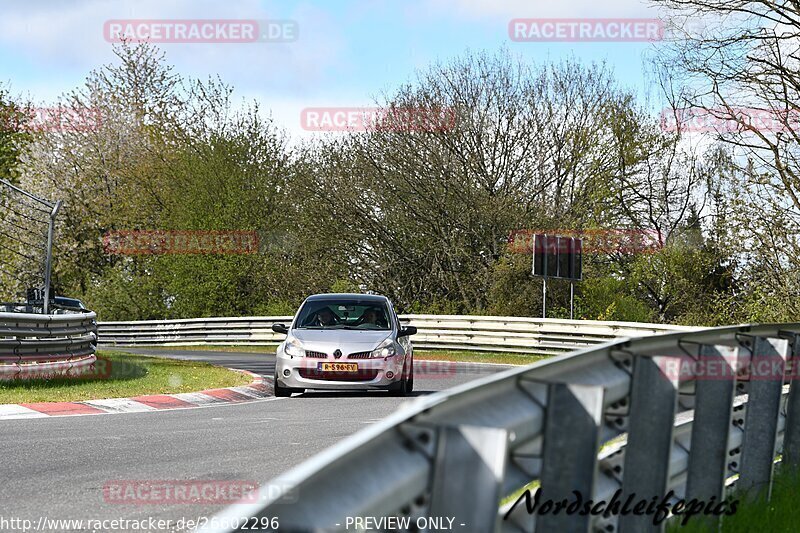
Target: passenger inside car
x=369 y=317
x=372 y=316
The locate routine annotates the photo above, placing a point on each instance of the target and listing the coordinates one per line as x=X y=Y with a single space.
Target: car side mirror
x=280 y=328
x=405 y=331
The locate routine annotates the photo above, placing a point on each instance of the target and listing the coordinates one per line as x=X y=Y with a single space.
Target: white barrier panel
x=40 y=345
x=456 y=332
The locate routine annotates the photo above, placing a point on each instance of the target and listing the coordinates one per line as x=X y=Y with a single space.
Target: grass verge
x=502 y=358
x=216 y=348
x=780 y=514
x=462 y=356
x=120 y=375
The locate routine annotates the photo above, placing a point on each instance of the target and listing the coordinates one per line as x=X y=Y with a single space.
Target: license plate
x=338 y=367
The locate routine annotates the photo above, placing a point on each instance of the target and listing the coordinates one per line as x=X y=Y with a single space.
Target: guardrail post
x=767 y=366
x=571 y=442
x=708 y=455
x=791 y=436
x=645 y=474
x=468 y=476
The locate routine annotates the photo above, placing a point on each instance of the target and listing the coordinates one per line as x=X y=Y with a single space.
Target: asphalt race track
x=57 y=467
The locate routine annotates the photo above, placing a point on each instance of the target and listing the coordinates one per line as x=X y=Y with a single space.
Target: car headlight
x=293 y=347
x=385 y=349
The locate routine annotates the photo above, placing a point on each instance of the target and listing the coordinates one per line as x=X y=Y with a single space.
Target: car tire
x=281 y=391
x=401 y=388
x=410 y=379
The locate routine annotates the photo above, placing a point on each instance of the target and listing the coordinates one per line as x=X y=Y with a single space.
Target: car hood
x=344 y=339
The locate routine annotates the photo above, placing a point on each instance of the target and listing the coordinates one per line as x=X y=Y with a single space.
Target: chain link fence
x=26 y=242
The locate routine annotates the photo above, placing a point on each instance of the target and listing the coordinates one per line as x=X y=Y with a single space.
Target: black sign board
x=36 y=294
x=539 y=255
x=576 y=259
x=557 y=257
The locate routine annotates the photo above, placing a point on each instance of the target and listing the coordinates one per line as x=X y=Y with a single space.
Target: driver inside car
x=325 y=317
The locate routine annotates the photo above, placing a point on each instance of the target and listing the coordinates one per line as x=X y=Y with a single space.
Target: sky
x=343 y=53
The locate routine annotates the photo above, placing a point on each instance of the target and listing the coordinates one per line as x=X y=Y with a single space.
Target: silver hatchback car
x=345 y=342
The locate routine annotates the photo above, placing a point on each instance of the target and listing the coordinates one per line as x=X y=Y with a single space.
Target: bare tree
x=432 y=207
x=738 y=65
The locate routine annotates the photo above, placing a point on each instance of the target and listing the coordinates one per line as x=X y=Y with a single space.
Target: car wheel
x=410 y=379
x=281 y=391
x=401 y=387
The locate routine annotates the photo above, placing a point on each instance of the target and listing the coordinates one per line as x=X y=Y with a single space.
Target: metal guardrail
x=599 y=420
x=460 y=332
x=38 y=345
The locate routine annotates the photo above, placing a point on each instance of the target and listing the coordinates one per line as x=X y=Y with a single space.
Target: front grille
x=360 y=375
x=318 y=355
x=359 y=355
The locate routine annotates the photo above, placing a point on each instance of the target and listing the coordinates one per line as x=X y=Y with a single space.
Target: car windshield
x=347 y=313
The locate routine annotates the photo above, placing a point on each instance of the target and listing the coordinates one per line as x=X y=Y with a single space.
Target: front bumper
x=304 y=373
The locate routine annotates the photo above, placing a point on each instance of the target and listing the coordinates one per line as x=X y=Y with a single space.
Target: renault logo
x=337 y=354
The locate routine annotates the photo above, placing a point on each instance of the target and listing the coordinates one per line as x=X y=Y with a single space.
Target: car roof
x=338 y=296
x=69 y=302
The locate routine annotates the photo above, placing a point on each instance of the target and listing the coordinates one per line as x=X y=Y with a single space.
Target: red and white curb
x=259 y=389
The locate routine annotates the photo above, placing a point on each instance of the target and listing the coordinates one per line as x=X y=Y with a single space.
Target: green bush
x=608 y=298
